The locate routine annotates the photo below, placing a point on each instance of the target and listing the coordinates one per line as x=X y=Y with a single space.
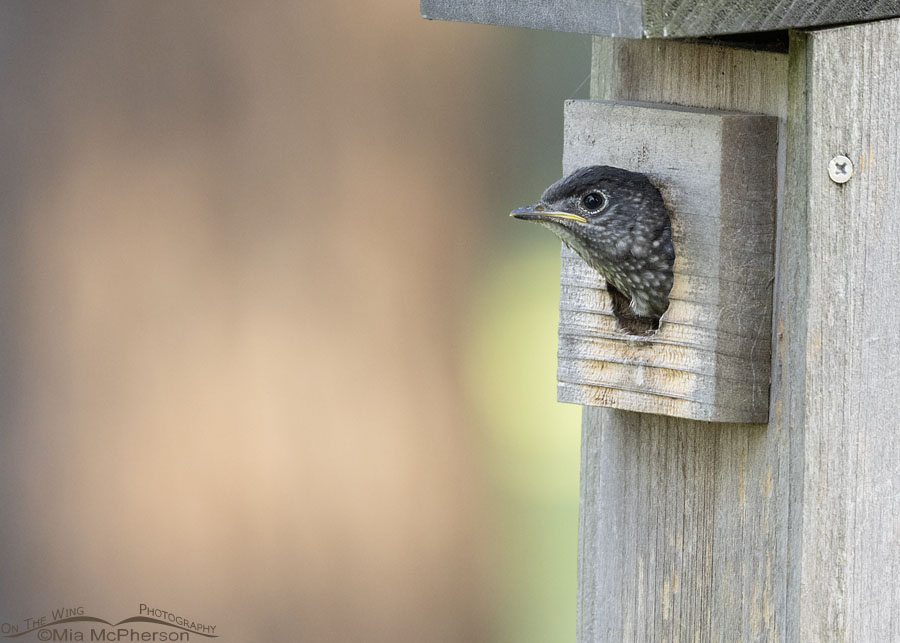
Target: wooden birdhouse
x=771 y=129
x=710 y=359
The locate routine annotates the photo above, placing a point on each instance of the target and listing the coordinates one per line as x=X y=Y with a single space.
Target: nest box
x=710 y=359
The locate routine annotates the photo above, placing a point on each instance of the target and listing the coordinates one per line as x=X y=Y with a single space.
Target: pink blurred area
x=233 y=242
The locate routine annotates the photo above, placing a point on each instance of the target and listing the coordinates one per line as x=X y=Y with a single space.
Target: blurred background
x=272 y=355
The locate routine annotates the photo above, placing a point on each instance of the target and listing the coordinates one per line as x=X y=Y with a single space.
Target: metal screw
x=840 y=169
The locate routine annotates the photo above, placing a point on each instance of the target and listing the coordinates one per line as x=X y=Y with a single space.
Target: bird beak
x=540 y=212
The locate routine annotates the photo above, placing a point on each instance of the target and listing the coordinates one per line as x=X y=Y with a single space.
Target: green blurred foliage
x=531 y=442
x=511 y=375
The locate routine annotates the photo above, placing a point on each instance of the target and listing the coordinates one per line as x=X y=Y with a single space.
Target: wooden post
x=839 y=389
x=789 y=531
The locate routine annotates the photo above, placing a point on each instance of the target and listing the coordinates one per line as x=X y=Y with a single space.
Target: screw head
x=840 y=169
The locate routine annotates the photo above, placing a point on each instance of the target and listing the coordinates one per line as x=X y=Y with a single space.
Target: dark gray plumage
x=617 y=222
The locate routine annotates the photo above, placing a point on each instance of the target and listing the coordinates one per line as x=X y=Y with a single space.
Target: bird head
x=617 y=221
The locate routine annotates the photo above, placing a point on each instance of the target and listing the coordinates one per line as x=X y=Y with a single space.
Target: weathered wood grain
x=710 y=359
x=680 y=18
x=683 y=524
x=791 y=531
x=726 y=78
x=846 y=398
x=615 y=18
x=660 y=18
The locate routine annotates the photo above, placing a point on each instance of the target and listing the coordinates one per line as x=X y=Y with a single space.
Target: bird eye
x=594 y=201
